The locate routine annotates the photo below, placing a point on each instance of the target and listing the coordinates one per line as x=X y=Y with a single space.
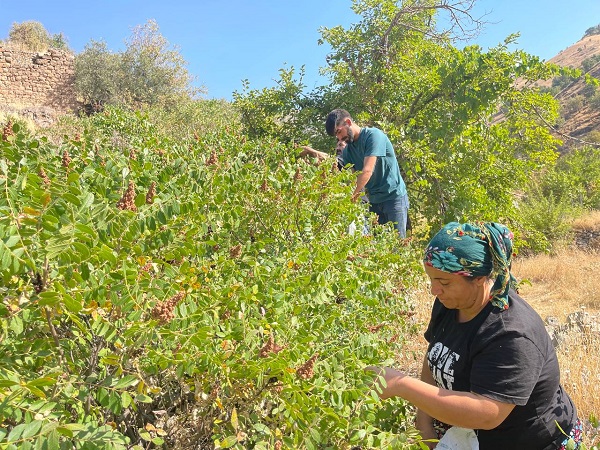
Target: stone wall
x=30 y=81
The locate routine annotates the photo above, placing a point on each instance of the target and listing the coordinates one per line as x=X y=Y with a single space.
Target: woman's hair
x=473 y=250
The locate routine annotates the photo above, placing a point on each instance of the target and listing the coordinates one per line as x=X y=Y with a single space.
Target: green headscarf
x=473 y=250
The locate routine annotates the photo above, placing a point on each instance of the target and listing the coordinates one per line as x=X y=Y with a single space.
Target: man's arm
x=364 y=176
x=309 y=151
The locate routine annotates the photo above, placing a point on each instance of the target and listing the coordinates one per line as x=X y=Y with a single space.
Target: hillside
x=581 y=114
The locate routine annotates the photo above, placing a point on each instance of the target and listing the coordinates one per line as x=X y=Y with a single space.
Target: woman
x=490 y=365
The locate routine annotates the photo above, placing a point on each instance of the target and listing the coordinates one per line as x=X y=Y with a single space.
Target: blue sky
x=226 y=41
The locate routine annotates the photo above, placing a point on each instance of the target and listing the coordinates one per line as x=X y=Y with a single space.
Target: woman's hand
x=391 y=377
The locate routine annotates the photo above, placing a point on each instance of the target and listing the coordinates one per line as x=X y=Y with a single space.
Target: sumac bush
x=232 y=310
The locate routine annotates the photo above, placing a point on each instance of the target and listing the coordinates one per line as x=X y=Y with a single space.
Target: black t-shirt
x=505 y=355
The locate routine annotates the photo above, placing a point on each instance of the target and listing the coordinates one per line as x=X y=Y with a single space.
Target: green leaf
x=16 y=325
x=65 y=431
x=48 y=298
x=126 y=399
x=106 y=254
x=72 y=199
x=82 y=249
x=35 y=391
x=315 y=434
x=229 y=441
x=145 y=435
x=72 y=305
x=49 y=441
x=16 y=432
x=32 y=429
x=73 y=177
x=89 y=231
x=129 y=380
x=262 y=428
x=141 y=398
x=44 y=381
x=88 y=200
x=12 y=241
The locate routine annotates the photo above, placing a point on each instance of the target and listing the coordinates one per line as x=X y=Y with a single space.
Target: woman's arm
x=424 y=422
x=463 y=409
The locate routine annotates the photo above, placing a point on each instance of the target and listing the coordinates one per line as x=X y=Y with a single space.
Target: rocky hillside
x=580 y=102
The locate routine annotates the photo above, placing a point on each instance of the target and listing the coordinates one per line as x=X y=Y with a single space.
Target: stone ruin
x=37 y=85
x=577 y=323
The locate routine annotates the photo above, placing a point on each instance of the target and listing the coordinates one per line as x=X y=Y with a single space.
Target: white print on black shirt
x=441 y=362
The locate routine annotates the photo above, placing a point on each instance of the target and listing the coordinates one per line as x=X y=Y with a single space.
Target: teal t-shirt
x=386 y=183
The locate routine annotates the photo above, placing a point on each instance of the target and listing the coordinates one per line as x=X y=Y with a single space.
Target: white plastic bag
x=457 y=438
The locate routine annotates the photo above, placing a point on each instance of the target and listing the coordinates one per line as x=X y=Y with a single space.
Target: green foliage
x=590 y=62
x=152 y=72
x=545 y=220
x=284 y=111
x=32 y=36
x=465 y=136
x=186 y=120
x=440 y=106
x=95 y=80
x=142 y=316
x=555 y=196
x=572 y=105
x=149 y=72
x=576 y=177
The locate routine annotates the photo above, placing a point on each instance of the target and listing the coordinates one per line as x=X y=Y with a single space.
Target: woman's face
x=456 y=291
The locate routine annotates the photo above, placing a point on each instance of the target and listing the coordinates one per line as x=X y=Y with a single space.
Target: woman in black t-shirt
x=490 y=365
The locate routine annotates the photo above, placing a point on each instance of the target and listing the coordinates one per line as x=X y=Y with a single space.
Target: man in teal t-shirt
x=370 y=152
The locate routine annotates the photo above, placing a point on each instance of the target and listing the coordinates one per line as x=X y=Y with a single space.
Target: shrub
x=32 y=36
x=148 y=73
x=545 y=220
x=232 y=310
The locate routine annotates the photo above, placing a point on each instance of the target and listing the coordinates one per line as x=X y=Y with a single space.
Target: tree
x=95 y=70
x=284 y=111
x=32 y=36
x=148 y=72
x=151 y=71
x=591 y=31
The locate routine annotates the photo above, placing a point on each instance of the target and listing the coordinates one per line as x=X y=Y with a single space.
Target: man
x=370 y=152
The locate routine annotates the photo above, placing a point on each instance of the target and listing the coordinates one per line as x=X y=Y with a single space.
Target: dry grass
x=560 y=284
x=589 y=222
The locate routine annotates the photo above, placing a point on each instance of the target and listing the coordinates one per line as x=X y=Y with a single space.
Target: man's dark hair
x=334 y=118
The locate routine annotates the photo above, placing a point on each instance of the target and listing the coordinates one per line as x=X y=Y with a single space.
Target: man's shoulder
x=369 y=131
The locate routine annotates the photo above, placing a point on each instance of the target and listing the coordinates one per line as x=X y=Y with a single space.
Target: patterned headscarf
x=473 y=250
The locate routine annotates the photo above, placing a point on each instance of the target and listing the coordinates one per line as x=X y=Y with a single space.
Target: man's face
x=344 y=133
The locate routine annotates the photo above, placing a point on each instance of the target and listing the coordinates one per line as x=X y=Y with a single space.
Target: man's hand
x=309 y=151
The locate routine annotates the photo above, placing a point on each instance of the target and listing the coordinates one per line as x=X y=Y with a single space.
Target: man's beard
x=349 y=139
